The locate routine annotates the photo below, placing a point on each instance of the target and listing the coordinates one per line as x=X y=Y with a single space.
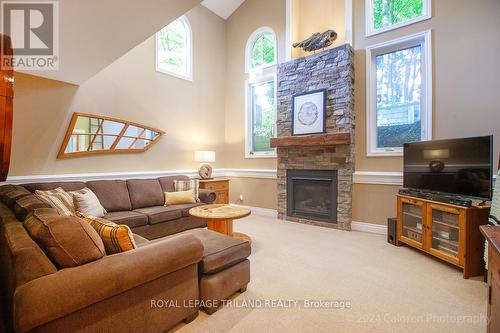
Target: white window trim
x=248 y=49
x=371 y=100
x=248 y=115
x=370 y=31
x=189 y=42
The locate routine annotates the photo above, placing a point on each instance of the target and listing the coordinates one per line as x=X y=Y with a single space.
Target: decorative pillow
x=116 y=238
x=87 y=203
x=59 y=199
x=25 y=205
x=179 y=198
x=67 y=240
x=184 y=185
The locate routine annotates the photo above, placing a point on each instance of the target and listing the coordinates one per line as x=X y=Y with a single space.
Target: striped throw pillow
x=116 y=238
x=185 y=185
x=87 y=203
x=59 y=199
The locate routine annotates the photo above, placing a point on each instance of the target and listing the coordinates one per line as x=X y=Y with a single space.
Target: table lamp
x=205 y=156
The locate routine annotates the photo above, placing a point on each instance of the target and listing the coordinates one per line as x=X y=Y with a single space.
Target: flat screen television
x=456 y=166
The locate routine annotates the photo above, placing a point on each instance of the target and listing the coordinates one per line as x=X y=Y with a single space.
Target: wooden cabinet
x=220 y=186
x=492 y=235
x=6 y=108
x=450 y=233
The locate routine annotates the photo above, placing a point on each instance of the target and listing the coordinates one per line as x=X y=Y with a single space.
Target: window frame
x=249 y=47
x=369 y=22
x=425 y=40
x=249 y=153
x=189 y=54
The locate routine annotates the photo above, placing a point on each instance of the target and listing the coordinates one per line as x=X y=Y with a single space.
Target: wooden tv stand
x=448 y=232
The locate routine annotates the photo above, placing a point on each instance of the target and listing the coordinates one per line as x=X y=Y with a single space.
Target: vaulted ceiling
x=223 y=8
x=94 y=33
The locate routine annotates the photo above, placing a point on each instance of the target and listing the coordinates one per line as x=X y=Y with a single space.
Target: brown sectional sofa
x=176 y=260
x=138 y=203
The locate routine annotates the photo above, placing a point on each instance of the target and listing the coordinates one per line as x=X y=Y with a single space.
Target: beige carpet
x=391 y=289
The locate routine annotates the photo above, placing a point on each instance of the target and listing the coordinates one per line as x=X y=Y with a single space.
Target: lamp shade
x=204 y=156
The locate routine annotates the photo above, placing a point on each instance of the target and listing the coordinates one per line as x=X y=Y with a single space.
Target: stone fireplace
x=312 y=194
x=315 y=171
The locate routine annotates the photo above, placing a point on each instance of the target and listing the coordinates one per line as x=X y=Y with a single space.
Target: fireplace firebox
x=312 y=194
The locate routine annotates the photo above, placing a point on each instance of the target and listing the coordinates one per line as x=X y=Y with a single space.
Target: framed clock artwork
x=309 y=113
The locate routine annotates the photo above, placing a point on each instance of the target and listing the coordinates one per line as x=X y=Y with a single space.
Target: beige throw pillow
x=87 y=203
x=184 y=185
x=59 y=199
x=179 y=198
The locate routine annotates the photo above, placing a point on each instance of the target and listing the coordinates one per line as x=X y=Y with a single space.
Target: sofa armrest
x=56 y=295
x=207 y=196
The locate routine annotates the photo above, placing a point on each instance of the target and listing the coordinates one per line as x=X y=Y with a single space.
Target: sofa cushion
x=67 y=186
x=67 y=240
x=160 y=230
x=9 y=197
x=112 y=194
x=141 y=241
x=116 y=238
x=220 y=251
x=25 y=205
x=167 y=183
x=127 y=217
x=186 y=207
x=145 y=193
x=7 y=188
x=158 y=214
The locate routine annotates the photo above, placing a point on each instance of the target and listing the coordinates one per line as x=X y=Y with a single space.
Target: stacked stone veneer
x=332 y=70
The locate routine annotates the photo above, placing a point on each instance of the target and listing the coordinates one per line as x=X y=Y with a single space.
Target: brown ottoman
x=224 y=269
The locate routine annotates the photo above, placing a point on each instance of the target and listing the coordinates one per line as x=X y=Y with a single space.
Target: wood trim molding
x=378 y=178
x=268 y=212
x=243 y=173
x=360 y=177
x=249 y=173
x=379 y=229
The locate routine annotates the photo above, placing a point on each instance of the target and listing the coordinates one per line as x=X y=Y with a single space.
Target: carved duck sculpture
x=317 y=41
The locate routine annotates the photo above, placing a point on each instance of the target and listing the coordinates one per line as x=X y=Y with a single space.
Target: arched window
x=260 y=93
x=261 y=49
x=174 y=49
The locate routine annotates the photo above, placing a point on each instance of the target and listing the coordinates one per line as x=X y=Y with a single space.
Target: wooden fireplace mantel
x=312 y=140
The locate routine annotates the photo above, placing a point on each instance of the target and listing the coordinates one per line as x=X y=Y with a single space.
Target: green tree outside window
x=263 y=50
x=390 y=12
x=173 y=49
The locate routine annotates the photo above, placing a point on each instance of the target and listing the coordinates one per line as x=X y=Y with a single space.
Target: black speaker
x=392 y=222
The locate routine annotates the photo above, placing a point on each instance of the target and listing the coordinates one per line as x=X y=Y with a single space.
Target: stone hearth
x=332 y=70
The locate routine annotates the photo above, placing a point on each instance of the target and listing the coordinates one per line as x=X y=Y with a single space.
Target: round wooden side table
x=220 y=218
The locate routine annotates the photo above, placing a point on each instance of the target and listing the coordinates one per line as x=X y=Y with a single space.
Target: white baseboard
x=267 y=212
x=369 y=227
x=355 y=226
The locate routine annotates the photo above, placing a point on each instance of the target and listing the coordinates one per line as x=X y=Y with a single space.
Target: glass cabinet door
x=445 y=227
x=412 y=222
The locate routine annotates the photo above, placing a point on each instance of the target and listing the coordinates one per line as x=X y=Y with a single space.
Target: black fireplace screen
x=312 y=194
